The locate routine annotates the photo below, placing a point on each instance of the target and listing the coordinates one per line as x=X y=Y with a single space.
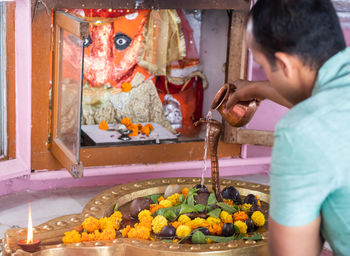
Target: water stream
x=208 y=117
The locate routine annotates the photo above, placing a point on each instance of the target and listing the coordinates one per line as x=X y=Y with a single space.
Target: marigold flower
x=175 y=240
x=215 y=229
x=184 y=219
x=140 y=232
x=126 y=87
x=143 y=214
x=155 y=207
x=242 y=226
x=160 y=198
x=150 y=126
x=258 y=218
x=176 y=224
x=125 y=231
x=246 y=207
x=198 y=222
x=134 y=130
x=240 y=216
x=103 y=125
x=108 y=234
x=139 y=126
x=145 y=130
x=158 y=223
x=185 y=192
x=166 y=203
x=71 y=237
x=126 y=121
x=86 y=237
x=257 y=198
x=228 y=201
x=183 y=231
x=90 y=224
x=116 y=218
x=146 y=222
x=174 y=198
x=209 y=241
x=105 y=223
x=226 y=217
x=213 y=220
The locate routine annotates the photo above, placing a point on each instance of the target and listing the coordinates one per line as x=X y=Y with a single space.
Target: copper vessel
x=238 y=115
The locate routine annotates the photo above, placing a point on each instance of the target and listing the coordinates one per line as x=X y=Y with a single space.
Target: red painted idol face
x=110 y=56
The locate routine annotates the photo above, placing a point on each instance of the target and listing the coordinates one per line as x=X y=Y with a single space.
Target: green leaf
x=187 y=209
x=182 y=199
x=170 y=215
x=160 y=211
x=198 y=238
x=116 y=206
x=227 y=208
x=212 y=199
x=255 y=237
x=215 y=213
x=208 y=208
x=199 y=207
x=223 y=239
x=237 y=230
x=167 y=241
x=190 y=200
x=154 y=198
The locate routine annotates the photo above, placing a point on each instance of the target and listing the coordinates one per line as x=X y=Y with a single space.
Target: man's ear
x=285 y=62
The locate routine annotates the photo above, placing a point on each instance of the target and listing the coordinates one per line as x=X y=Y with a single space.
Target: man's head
x=293 y=37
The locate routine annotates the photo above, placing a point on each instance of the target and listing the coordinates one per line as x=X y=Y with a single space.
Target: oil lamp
x=31 y=244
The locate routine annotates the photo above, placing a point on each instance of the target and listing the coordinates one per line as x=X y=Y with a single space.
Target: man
x=300 y=45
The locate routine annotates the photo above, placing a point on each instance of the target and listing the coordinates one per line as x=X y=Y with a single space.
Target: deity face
x=112 y=53
x=172 y=111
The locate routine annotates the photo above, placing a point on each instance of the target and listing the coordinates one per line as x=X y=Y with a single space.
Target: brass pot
x=238 y=115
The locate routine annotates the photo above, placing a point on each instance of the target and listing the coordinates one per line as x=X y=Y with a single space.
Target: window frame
x=43 y=38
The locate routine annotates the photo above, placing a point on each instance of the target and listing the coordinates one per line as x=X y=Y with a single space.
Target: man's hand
x=291 y=241
x=254 y=90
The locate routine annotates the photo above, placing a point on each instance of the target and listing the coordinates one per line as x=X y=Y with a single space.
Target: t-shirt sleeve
x=298 y=176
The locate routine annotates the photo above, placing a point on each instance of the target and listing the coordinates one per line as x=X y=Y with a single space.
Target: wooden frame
x=42 y=36
x=11 y=81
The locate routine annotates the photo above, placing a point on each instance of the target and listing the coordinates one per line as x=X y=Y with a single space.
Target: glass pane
x=69 y=91
x=3 y=103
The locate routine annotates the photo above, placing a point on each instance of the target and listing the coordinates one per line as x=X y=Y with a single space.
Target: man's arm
x=299 y=240
x=260 y=90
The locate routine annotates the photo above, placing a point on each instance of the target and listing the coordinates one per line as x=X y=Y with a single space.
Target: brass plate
x=51 y=232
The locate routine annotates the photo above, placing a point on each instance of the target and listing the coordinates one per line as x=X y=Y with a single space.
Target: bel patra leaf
x=187 y=209
x=255 y=237
x=223 y=239
x=227 y=208
x=215 y=213
x=200 y=207
x=154 y=198
x=170 y=215
x=212 y=199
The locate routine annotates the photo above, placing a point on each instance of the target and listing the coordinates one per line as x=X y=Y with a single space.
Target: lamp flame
x=30 y=239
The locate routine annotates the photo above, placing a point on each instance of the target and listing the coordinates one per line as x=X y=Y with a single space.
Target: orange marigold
x=257 y=198
x=103 y=125
x=126 y=121
x=241 y=215
x=108 y=234
x=125 y=231
x=229 y=202
x=134 y=129
x=126 y=87
x=140 y=232
x=154 y=207
x=175 y=224
x=160 y=198
x=215 y=229
x=146 y=130
x=116 y=219
x=150 y=126
x=185 y=192
x=90 y=224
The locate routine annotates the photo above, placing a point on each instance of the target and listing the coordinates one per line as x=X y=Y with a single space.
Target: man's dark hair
x=308 y=29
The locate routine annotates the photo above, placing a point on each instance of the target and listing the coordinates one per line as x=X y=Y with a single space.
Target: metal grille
x=3 y=84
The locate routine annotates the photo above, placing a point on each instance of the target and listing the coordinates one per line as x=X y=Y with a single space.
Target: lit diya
x=31 y=244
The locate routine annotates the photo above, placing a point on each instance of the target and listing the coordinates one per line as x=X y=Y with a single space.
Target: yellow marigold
x=246 y=207
x=184 y=219
x=143 y=214
x=103 y=125
x=71 y=237
x=166 y=203
x=105 y=223
x=229 y=202
x=209 y=241
x=145 y=130
x=126 y=121
x=226 y=217
x=90 y=224
x=108 y=234
x=183 y=231
x=213 y=220
x=86 y=237
x=242 y=226
x=240 y=216
x=139 y=232
x=185 y=192
x=126 y=87
x=174 y=198
x=175 y=240
x=257 y=198
x=125 y=231
x=258 y=218
x=116 y=218
x=198 y=222
x=155 y=207
x=215 y=229
x=160 y=198
x=158 y=223
x=175 y=224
